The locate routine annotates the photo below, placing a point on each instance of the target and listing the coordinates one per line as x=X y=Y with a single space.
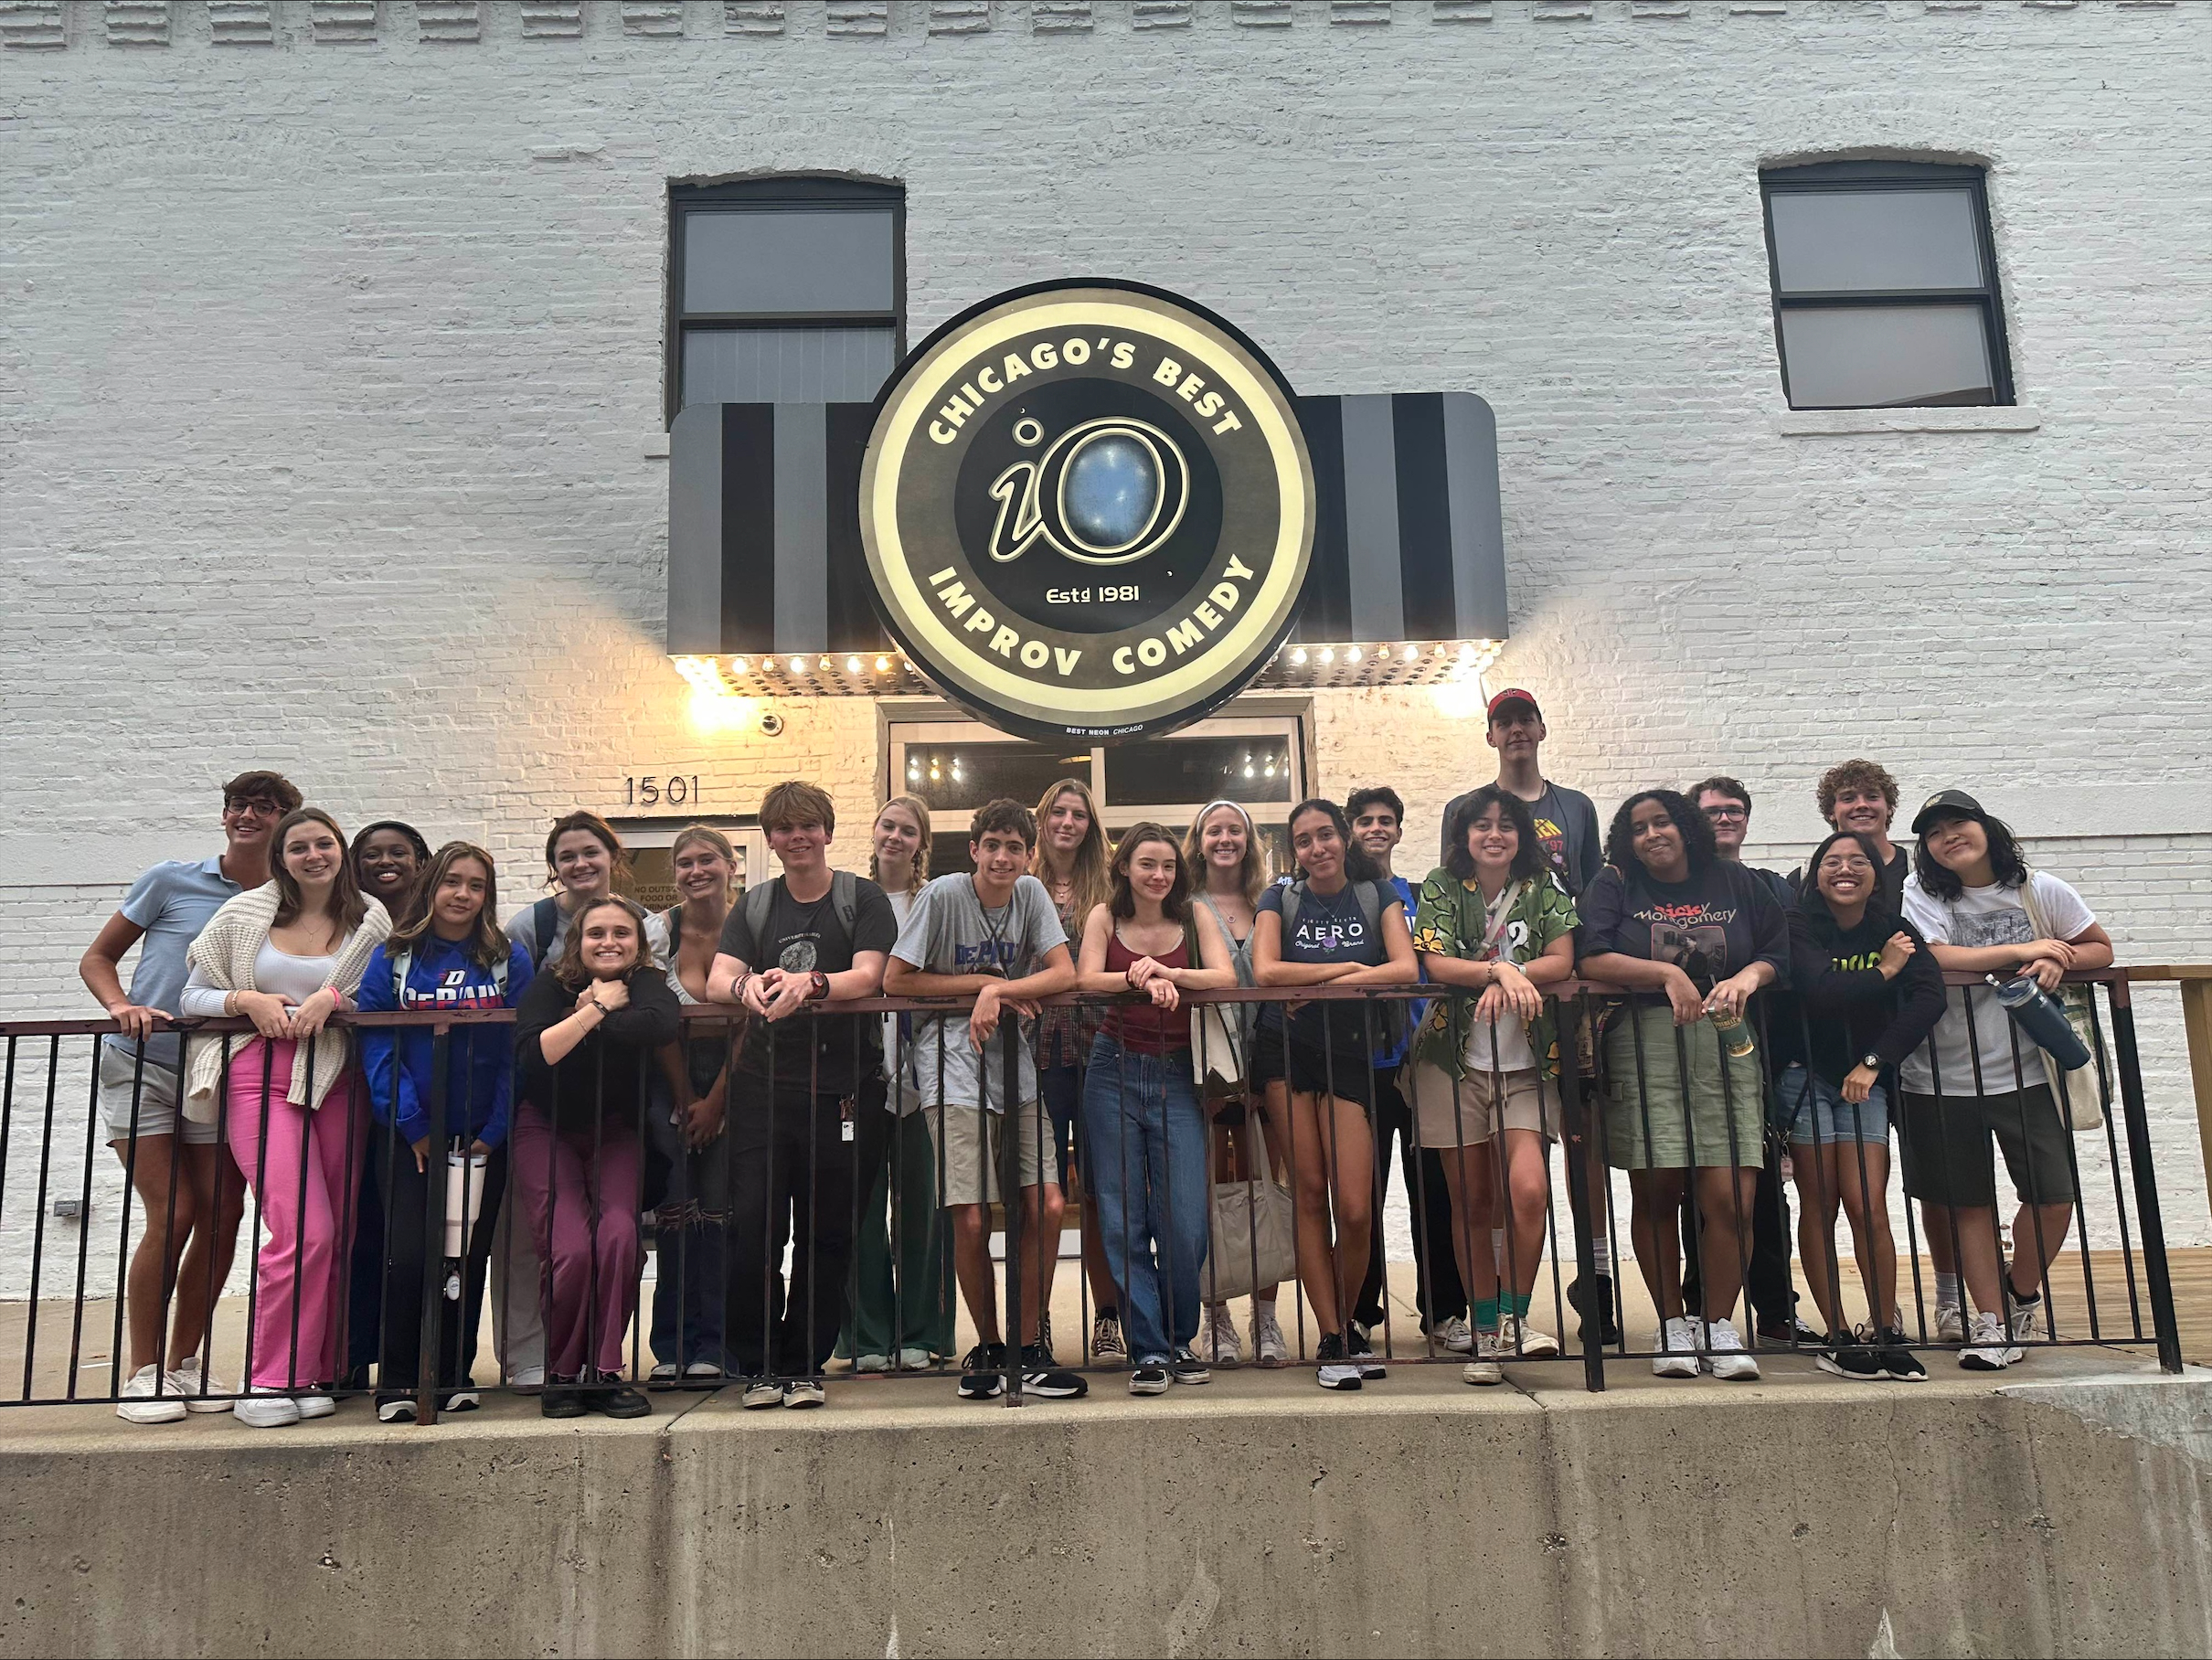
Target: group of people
x=1749 y=1017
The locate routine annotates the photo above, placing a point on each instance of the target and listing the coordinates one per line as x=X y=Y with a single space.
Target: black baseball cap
x=1946 y=803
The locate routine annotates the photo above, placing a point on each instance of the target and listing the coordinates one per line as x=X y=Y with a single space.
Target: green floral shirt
x=1451 y=921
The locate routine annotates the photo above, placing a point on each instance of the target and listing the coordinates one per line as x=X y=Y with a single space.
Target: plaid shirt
x=1064 y=1035
x=1452 y=921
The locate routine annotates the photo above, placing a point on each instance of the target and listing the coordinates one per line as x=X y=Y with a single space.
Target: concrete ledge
x=2063 y=1514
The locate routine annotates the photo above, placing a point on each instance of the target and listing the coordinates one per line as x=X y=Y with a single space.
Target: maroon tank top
x=1144 y=1028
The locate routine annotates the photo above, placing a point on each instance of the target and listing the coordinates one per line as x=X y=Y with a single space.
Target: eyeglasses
x=1853 y=863
x=258 y=805
x=1727 y=812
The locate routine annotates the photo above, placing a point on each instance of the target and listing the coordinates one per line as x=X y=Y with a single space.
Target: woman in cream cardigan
x=287 y=956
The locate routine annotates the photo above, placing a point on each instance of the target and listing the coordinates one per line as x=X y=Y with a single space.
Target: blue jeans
x=1145 y=1133
x=686 y=1320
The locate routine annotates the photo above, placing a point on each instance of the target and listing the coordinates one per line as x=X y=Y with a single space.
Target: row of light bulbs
x=1459 y=657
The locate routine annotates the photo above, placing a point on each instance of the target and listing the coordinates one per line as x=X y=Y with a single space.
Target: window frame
x=784 y=193
x=1858 y=178
x=904 y=731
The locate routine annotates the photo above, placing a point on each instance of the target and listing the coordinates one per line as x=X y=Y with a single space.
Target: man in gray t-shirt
x=993 y=936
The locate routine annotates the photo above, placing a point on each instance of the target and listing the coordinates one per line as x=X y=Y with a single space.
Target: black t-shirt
x=813 y=1051
x=1333 y=928
x=1711 y=927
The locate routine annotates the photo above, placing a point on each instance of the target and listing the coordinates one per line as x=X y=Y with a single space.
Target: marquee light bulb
x=852 y=665
x=798 y=665
x=1328 y=654
x=1351 y=653
x=1466 y=652
x=883 y=665
x=1298 y=656
x=736 y=665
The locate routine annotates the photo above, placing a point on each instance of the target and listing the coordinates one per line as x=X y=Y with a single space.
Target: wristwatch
x=820 y=989
x=1873 y=1063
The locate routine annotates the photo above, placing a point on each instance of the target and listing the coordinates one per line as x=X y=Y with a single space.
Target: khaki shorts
x=969 y=1141
x=1449 y=1115
x=156 y=1093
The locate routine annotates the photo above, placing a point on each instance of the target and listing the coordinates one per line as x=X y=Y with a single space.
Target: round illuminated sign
x=1087 y=510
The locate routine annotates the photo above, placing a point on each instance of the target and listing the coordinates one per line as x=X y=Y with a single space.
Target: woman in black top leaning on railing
x=1864 y=993
x=1337 y=924
x=585 y=1040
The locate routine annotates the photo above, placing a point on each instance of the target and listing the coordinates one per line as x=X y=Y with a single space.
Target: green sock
x=1486 y=1314
x=1520 y=1305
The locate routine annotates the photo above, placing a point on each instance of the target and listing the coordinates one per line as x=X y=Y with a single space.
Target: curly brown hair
x=1853 y=775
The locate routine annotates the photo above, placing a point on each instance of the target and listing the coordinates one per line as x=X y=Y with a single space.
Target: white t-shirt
x=1977 y=918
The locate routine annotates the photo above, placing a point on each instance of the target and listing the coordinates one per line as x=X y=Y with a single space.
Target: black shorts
x=1945 y=1141
x=1267 y=1056
x=1342 y=1072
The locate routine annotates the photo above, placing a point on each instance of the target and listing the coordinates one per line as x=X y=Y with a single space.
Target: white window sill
x=656 y=446
x=1830 y=423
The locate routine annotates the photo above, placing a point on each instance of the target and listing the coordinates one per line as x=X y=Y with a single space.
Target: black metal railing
x=757 y=1229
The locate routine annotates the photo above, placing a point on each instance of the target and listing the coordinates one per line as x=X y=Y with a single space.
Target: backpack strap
x=1291 y=895
x=402 y=965
x=545 y=922
x=845 y=899
x=1369 y=895
x=759 y=903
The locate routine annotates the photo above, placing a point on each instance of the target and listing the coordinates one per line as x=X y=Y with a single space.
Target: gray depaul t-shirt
x=947 y=932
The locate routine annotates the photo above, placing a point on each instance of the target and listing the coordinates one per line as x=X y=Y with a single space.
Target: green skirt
x=1711 y=1118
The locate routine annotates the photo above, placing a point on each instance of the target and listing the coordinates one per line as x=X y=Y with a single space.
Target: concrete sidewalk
x=2058 y=1508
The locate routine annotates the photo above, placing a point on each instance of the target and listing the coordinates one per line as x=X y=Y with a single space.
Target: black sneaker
x=561 y=1399
x=1042 y=1378
x=1792 y=1333
x=1900 y=1364
x=1362 y=1356
x=615 y=1400
x=1844 y=1354
x=1188 y=1367
x=1335 y=1372
x=395 y=1408
x=1151 y=1379
x=982 y=1375
x=1608 y=1335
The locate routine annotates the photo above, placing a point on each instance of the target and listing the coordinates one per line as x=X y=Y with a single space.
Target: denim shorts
x=1809 y=1109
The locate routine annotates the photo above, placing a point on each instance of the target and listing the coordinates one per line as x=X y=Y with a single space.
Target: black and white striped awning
x=768 y=590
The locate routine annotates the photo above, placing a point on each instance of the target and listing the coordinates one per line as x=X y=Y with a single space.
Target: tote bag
x=1255 y=1223
x=2077 y=1094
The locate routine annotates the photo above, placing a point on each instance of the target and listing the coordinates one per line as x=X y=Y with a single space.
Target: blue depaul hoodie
x=479 y=1061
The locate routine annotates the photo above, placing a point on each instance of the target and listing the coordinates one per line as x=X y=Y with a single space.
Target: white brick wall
x=328 y=365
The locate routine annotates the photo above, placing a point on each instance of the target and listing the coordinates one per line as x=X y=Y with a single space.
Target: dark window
x=784 y=291
x=1885 y=286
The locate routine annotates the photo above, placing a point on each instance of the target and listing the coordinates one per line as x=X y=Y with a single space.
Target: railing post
x=427 y=1353
x=1576 y=1112
x=2160 y=1283
x=1009 y=1189
x=2196 y=1021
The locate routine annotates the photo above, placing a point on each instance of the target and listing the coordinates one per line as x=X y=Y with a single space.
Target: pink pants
x=309 y=1216
x=581 y=1201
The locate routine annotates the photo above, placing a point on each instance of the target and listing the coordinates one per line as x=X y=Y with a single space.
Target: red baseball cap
x=1513 y=694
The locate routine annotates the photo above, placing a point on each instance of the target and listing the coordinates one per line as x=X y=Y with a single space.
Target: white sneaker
x=1267 y=1346
x=187 y=1380
x=526 y=1377
x=1727 y=1357
x=871 y=1363
x=1483 y=1368
x=1217 y=1343
x=1518 y=1339
x=265 y=1411
x=1951 y=1323
x=661 y=1377
x=913 y=1359
x=1455 y=1336
x=803 y=1393
x=314 y=1406
x=394 y=1411
x=1990 y=1352
x=1676 y=1349
x=2027 y=1321
x=762 y=1392
x=139 y=1404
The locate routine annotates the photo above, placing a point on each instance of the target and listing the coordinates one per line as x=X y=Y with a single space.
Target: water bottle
x=2040 y=1019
